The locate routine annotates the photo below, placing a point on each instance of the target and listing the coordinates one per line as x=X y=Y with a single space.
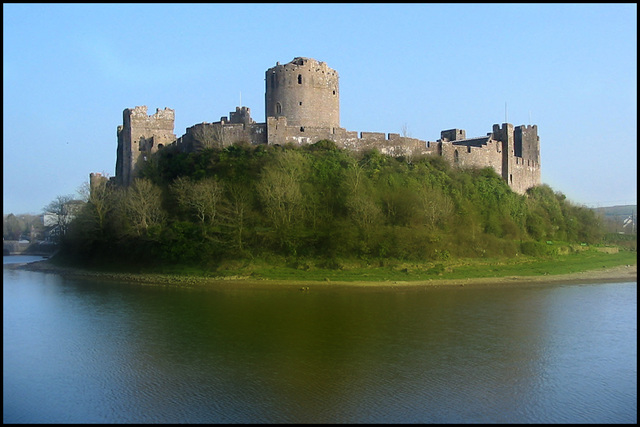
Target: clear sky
x=69 y=70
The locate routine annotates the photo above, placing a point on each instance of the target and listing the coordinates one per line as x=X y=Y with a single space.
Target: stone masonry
x=302 y=106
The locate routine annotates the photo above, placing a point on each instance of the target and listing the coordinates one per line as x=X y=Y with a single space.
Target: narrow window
x=334 y=92
x=278 y=108
x=299 y=79
x=301 y=129
x=300 y=102
x=511 y=178
x=455 y=156
x=468 y=148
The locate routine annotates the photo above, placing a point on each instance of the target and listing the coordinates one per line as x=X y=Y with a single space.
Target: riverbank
x=622 y=273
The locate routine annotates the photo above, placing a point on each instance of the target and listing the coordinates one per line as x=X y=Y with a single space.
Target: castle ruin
x=302 y=106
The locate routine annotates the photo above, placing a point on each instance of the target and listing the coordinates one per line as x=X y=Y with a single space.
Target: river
x=85 y=351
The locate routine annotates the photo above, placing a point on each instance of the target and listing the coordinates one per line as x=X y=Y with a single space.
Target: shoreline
x=623 y=273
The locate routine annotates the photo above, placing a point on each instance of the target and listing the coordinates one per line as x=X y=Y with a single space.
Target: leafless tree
x=143 y=205
x=200 y=198
x=60 y=212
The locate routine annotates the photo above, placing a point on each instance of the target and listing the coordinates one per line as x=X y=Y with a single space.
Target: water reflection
x=105 y=352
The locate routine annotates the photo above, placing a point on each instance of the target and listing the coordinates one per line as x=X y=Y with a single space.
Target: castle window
x=301 y=129
x=278 y=108
x=468 y=148
x=455 y=157
x=334 y=92
x=299 y=79
x=511 y=178
x=300 y=102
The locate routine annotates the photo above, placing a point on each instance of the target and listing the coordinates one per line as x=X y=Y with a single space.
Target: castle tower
x=520 y=155
x=139 y=135
x=96 y=180
x=504 y=134
x=305 y=92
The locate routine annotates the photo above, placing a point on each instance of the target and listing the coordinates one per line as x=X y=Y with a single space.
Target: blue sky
x=70 y=70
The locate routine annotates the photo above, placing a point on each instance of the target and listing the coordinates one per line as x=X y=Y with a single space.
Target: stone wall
x=469 y=155
x=281 y=133
x=524 y=174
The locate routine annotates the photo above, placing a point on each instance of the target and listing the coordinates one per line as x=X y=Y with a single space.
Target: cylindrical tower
x=305 y=91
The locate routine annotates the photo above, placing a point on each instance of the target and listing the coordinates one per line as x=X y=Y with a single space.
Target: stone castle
x=302 y=106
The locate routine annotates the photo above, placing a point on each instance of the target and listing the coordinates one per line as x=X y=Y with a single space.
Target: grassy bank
x=392 y=270
x=453 y=269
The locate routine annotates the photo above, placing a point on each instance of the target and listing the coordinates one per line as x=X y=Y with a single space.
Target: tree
x=436 y=206
x=200 y=199
x=405 y=136
x=12 y=227
x=235 y=212
x=144 y=206
x=361 y=207
x=279 y=191
x=59 y=214
x=99 y=197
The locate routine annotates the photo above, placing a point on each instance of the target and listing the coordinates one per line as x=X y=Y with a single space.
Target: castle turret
x=305 y=91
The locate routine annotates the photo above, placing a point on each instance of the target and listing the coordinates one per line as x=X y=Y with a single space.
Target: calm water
x=83 y=352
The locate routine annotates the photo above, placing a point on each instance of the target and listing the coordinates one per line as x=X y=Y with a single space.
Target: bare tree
x=235 y=211
x=279 y=190
x=361 y=207
x=436 y=206
x=210 y=136
x=200 y=198
x=59 y=214
x=143 y=205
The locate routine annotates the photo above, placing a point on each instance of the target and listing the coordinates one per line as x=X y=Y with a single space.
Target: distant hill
x=618 y=210
x=620 y=218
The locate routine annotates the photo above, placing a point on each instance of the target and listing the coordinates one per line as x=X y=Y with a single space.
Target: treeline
x=316 y=201
x=23 y=226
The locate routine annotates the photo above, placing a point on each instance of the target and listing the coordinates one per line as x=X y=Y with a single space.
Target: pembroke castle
x=302 y=106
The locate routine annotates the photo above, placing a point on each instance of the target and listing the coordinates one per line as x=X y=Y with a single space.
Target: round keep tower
x=305 y=91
